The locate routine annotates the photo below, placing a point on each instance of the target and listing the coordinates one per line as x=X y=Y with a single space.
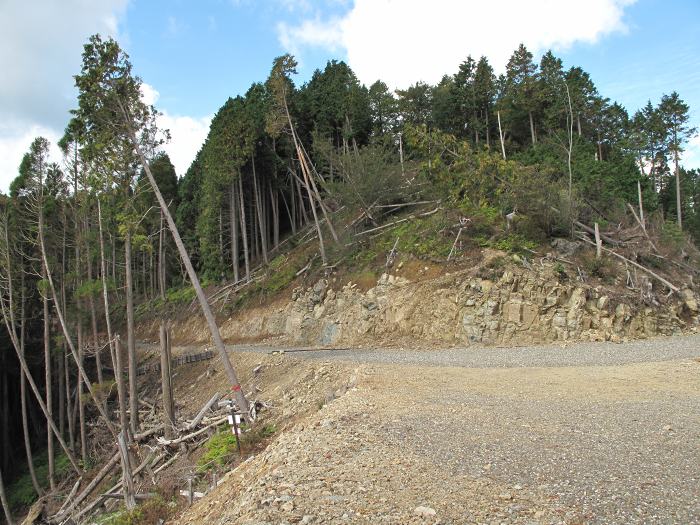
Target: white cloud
x=318 y=33
x=402 y=42
x=15 y=142
x=691 y=156
x=187 y=134
x=41 y=50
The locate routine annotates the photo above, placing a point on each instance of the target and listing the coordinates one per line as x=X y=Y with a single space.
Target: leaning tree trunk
x=206 y=309
x=130 y=338
x=9 y=324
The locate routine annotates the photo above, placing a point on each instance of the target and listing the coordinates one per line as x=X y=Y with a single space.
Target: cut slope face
x=509 y=306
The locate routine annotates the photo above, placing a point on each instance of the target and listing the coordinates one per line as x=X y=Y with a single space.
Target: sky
x=192 y=55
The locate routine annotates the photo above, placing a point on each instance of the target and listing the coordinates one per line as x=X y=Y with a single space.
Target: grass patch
x=21 y=494
x=219 y=450
x=147 y=513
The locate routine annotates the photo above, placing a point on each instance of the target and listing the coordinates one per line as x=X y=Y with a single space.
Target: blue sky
x=193 y=55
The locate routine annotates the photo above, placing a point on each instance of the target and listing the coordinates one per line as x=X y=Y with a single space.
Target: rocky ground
x=601 y=440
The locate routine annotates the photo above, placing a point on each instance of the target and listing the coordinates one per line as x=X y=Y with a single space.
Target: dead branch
x=187 y=437
x=656 y=276
x=412 y=217
x=198 y=418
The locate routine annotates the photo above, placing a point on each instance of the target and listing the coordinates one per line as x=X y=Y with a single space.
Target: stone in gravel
x=288 y=507
x=425 y=512
x=308 y=518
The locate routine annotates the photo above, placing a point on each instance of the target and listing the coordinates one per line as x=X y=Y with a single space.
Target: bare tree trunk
x=121 y=384
x=47 y=382
x=165 y=374
x=678 y=183
x=128 y=480
x=5 y=504
x=130 y=338
x=500 y=135
x=275 y=205
x=105 y=295
x=93 y=320
x=233 y=218
x=302 y=207
x=165 y=378
x=244 y=229
x=290 y=212
x=23 y=395
x=641 y=206
x=71 y=428
x=488 y=133
x=532 y=128
x=259 y=210
x=61 y=378
x=81 y=404
x=578 y=123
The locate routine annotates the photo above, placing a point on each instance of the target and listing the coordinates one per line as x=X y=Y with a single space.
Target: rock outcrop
x=521 y=307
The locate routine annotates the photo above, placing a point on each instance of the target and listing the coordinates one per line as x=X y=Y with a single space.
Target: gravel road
x=586 y=432
x=572 y=354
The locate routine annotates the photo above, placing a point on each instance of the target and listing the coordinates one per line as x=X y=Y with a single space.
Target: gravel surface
x=573 y=354
x=608 y=445
x=582 y=434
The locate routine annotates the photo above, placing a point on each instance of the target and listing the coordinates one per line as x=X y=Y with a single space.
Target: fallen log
x=113 y=490
x=181 y=439
x=106 y=469
x=412 y=217
x=198 y=418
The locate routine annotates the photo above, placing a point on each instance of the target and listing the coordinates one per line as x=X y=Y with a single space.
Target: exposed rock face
x=522 y=307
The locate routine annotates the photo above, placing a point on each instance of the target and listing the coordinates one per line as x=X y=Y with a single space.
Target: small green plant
x=149 y=512
x=560 y=271
x=514 y=243
x=218 y=451
x=21 y=494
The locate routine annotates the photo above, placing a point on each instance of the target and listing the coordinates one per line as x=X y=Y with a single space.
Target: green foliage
x=21 y=494
x=421 y=237
x=147 y=513
x=672 y=235
x=514 y=243
x=219 y=450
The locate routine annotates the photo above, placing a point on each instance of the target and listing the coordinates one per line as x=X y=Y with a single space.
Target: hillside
x=475 y=217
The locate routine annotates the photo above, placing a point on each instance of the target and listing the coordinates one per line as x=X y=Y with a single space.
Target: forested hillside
x=85 y=244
